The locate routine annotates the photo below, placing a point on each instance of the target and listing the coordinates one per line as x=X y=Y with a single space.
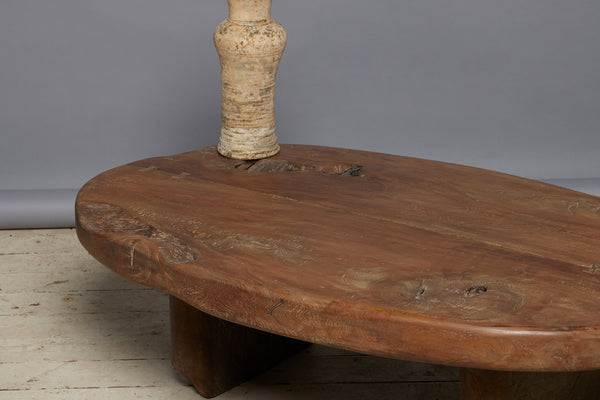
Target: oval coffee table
x=386 y=255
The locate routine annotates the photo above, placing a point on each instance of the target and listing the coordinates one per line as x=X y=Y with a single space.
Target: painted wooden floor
x=72 y=329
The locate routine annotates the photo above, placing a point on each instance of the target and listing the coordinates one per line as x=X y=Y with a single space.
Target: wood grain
x=381 y=254
x=110 y=341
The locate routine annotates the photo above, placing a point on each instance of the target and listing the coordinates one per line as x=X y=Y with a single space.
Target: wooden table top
x=380 y=254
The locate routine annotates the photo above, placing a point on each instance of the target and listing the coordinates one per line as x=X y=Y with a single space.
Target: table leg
x=216 y=355
x=503 y=385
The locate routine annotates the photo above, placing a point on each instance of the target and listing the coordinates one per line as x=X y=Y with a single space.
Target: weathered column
x=250 y=45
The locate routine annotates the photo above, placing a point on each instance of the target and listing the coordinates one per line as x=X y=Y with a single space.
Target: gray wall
x=509 y=85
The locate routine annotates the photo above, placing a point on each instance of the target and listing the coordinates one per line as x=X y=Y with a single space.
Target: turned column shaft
x=249 y=11
x=250 y=45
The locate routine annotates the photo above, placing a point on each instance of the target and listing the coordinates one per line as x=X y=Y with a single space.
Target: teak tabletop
x=386 y=255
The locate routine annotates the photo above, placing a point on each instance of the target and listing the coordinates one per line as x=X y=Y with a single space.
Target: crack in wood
x=132 y=254
x=592 y=269
x=108 y=218
x=277 y=165
x=276 y=306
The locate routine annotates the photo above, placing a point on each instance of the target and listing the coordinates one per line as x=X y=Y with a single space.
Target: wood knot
x=352 y=171
x=475 y=290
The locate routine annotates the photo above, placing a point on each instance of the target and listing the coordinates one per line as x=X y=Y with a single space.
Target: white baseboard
x=30 y=209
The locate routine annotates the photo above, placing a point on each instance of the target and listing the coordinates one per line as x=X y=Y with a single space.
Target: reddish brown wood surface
x=380 y=254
